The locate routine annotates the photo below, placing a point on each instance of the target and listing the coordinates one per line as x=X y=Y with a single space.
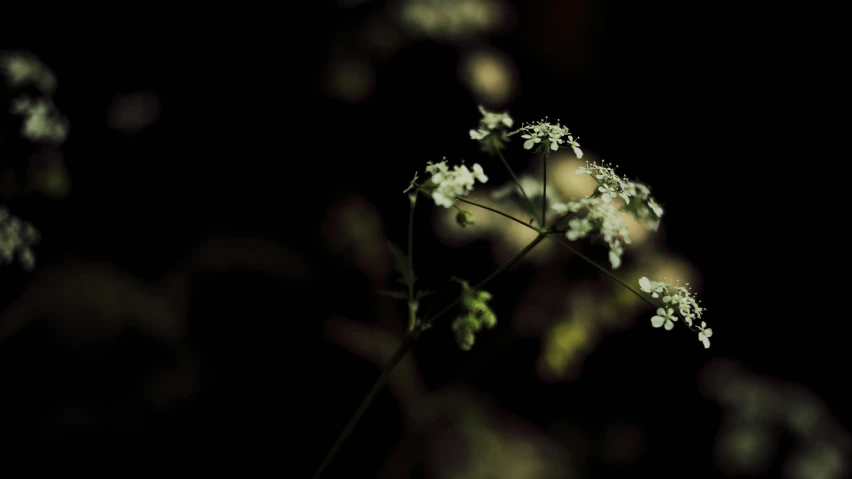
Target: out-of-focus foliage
x=761 y=412
x=488 y=73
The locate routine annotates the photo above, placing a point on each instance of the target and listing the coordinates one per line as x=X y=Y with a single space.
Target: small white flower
x=560 y=208
x=579 y=228
x=491 y=123
x=614 y=259
x=478 y=134
x=705 y=334
x=652 y=287
x=447 y=184
x=531 y=140
x=479 y=174
x=575 y=146
x=664 y=318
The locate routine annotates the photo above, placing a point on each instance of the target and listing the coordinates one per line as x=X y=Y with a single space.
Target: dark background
x=250 y=144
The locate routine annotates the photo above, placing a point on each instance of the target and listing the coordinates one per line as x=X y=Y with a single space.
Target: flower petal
x=657 y=321
x=669 y=325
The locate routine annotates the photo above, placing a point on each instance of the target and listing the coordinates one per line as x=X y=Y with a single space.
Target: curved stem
x=503 y=267
x=518 y=183
x=544 y=189
x=400 y=353
x=412 y=304
x=605 y=271
x=464 y=200
x=365 y=403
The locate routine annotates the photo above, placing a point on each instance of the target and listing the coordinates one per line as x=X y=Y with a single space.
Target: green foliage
x=475 y=315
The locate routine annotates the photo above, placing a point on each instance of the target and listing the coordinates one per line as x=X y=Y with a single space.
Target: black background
x=680 y=96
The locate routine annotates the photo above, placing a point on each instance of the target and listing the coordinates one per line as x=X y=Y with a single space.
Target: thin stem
x=518 y=183
x=544 y=189
x=412 y=305
x=400 y=353
x=503 y=267
x=464 y=200
x=604 y=270
x=365 y=403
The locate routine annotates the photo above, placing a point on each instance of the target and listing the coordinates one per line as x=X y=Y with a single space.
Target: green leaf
x=401 y=264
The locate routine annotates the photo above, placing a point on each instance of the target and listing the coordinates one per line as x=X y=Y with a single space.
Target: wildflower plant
x=598 y=216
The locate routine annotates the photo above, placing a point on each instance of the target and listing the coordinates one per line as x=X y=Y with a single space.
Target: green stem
x=412 y=305
x=605 y=271
x=544 y=189
x=503 y=267
x=365 y=403
x=407 y=341
x=518 y=183
x=516 y=220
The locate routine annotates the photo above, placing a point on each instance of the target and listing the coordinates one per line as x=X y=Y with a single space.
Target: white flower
x=550 y=133
x=532 y=139
x=652 y=287
x=579 y=228
x=479 y=174
x=680 y=297
x=704 y=334
x=615 y=259
x=601 y=216
x=478 y=134
x=664 y=318
x=491 y=123
x=575 y=146
x=447 y=184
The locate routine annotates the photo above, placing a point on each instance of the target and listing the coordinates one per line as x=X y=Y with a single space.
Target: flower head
x=599 y=216
x=678 y=299
x=637 y=197
x=550 y=134
x=445 y=184
x=492 y=131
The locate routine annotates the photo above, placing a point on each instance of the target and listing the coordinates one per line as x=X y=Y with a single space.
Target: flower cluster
x=598 y=215
x=677 y=299
x=42 y=121
x=445 y=184
x=492 y=131
x=475 y=315
x=636 y=196
x=16 y=239
x=550 y=134
x=451 y=20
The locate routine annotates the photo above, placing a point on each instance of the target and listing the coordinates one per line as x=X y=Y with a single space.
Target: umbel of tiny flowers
x=636 y=196
x=492 y=131
x=445 y=184
x=599 y=216
x=678 y=299
x=475 y=315
x=549 y=134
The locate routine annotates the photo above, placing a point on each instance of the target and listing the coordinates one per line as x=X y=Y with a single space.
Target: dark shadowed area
x=213 y=231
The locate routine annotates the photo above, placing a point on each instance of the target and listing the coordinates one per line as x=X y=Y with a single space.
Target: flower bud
x=465 y=218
